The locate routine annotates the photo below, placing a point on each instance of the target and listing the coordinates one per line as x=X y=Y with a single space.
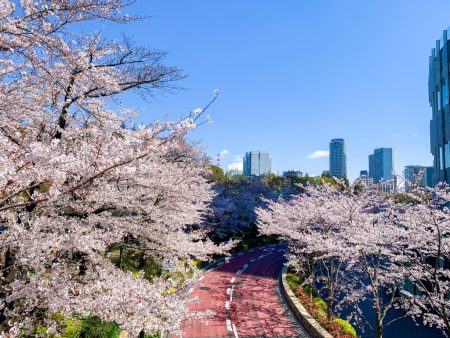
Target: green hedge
x=346 y=327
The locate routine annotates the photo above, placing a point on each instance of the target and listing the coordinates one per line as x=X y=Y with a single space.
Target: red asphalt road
x=242 y=294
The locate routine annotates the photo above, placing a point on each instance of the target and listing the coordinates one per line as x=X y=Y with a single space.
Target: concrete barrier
x=308 y=321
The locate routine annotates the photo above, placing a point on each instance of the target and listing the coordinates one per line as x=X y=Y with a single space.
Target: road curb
x=310 y=324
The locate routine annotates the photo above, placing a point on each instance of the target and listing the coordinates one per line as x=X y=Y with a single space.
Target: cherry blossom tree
x=345 y=240
x=313 y=224
x=425 y=247
x=74 y=180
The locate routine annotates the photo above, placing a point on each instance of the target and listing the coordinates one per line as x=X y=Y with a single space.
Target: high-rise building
x=438 y=94
x=256 y=163
x=381 y=165
x=338 y=158
x=413 y=173
x=429 y=176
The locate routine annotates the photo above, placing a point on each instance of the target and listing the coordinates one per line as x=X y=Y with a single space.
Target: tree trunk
x=379 y=326
x=121 y=256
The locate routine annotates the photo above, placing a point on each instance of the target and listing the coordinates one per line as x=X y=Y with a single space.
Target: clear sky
x=294 y=74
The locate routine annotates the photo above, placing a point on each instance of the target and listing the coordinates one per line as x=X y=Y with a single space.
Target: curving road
x=244 y=295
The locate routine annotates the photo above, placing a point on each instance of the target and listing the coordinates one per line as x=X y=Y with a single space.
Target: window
x=439 y=99
x=441 y=160
x=445 y=92
x=447 y=155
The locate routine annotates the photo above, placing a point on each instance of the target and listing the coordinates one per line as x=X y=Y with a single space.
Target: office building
x=415 y=174
x=381 y=165
x=429 y=176
x=366 y=179
x=338 y=158
x=256 y=163
x=438 y=94
x=292 y=173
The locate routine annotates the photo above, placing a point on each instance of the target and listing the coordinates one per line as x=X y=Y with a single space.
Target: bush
x=310 y=290
x=294 y=279
x=346 y=327
x=320 y=303
x=94 y=327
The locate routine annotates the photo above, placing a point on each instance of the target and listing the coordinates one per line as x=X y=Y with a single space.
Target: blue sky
x=295 y=74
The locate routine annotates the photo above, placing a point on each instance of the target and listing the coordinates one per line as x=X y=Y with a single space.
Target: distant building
x=366 y=179
x=412 y=173
x=429 y=176
x=438 y=94
x=292 y=173
x=256 y=163
x=326 y=173
x=338 y=158
x=381 y=165
x=381 y=169
x=234 y=172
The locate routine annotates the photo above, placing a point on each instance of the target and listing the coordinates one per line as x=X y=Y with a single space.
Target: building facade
x=338 y=158
x=256 y=163
x=438 y=95
x=381 y=165
x=412 y=174
x=292 y=173
x=366 y=179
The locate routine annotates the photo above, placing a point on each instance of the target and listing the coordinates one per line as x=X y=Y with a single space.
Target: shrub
x=346 y=327
x=320 y=303
x=94 y=327
x=291 y=278
x=310 y=290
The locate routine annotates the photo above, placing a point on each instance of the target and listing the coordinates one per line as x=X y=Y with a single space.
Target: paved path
x=245 y=296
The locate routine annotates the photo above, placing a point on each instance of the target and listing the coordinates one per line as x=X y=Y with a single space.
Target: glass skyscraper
x=438 y=94
x=381 y=165
x=412 y=173
x=256 y=163
x=338 y=158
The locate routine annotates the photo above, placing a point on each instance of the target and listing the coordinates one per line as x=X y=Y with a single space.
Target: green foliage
x=293 y=279
x=134 y=261
x=346 y=327
x=94 y=327
x=253 y=241
x=200 y=264
x=310 y=290
x=73 y=328
x=319 y=314
x=274 y=181
x=217 y=174
x=319 y=302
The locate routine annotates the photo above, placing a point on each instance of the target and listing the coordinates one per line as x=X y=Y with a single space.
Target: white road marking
x=245 y=266
x=231 y=293
x=259 y=257
x=227 y=305
x=238 y=272
x=228 y=291
x=201 y=277
x=235 y=331
x=232 y=280
x=190 y=290
x=219 y=264
x=252 y=260
x=239 y=254
x=228 y=323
